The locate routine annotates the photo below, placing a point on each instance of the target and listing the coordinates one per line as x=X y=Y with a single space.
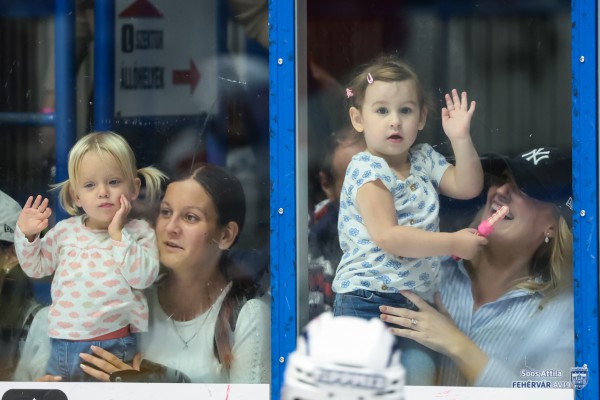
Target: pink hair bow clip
x=369 y=78
x=349 y=92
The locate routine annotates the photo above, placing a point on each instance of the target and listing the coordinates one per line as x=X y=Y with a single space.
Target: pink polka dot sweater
x=97 y=281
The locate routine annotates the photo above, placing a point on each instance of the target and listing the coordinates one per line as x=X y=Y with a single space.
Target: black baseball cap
x=542 y=173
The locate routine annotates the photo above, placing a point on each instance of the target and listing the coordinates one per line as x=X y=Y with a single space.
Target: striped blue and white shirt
x=526 y=335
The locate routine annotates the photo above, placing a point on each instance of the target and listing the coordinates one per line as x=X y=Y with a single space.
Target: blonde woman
x=511 y=307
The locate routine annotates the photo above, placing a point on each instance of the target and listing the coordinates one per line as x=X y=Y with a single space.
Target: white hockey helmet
x=344 y=358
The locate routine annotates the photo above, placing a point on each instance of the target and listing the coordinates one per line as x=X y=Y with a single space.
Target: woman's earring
x=546 y=239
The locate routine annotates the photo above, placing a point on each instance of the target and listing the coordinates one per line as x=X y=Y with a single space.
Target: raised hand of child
x=456 y=116
x=466 y=243
x=120 y=219
x=34 y=217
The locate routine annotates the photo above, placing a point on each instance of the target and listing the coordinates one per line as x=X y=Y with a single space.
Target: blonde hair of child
x=113 y=147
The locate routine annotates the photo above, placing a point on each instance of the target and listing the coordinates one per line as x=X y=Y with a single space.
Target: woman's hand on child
x=120 y=219
x=456 y=116
x=466 y=243
x=428 y=326
x=435 y=329
x=34 y=217
x=103 y=363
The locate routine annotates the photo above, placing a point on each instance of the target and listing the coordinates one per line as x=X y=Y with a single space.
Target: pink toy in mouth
x=487 y=225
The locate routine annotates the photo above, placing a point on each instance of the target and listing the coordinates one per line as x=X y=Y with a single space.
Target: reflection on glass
x=190 y=88
x=515 y=62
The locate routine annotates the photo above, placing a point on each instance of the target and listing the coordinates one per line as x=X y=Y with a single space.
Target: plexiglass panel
x=185 y=84
x=513 y=60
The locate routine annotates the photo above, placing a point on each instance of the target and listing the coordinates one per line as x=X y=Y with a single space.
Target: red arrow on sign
x=187 y=76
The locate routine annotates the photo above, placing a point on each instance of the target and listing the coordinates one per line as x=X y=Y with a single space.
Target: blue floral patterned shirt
x=364 y=265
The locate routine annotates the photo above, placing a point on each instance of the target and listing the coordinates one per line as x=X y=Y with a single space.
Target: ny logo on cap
x=536 y=155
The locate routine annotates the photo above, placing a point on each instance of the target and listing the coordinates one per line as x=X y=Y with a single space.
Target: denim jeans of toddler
x=64 y=358
x=418 y=360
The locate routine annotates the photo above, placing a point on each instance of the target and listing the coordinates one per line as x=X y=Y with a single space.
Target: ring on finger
x=413 y=323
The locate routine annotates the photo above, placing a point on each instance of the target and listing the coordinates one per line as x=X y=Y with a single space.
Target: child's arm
x=36 y=257
x=465 y=179
x=376 y=207
x=137 y=254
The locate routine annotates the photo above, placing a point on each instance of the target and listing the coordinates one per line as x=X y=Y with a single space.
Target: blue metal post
x=104 y=64
x=283 y=193
x=584 y=16
x=65 y=113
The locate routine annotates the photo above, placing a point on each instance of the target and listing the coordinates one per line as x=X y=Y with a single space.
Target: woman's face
x=186 y=227
x=528 y=219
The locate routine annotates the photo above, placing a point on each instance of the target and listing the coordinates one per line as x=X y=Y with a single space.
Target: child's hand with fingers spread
x=457 y=115
x=120 y=219
x=34 y=217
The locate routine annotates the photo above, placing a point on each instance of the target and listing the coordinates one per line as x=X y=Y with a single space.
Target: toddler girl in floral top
x=100 y=259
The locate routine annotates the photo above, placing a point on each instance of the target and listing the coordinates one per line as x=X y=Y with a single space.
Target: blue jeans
x=418 y=360
x=64 y=359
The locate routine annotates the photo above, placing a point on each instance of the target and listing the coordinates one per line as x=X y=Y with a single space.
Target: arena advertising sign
x=162 y=53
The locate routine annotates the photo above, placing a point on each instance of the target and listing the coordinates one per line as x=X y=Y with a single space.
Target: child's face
x=98 y=188
x=390 y=118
